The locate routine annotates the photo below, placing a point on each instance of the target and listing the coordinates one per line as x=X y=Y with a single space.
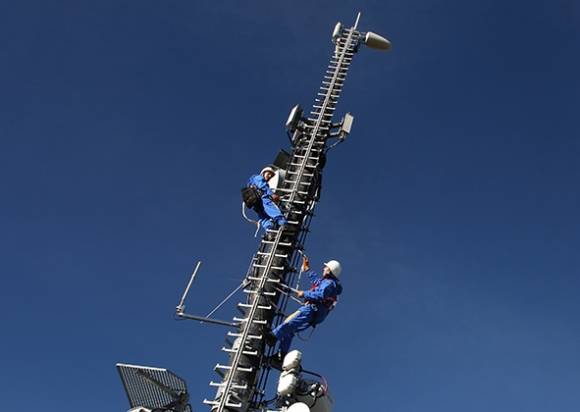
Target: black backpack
x=250 y=196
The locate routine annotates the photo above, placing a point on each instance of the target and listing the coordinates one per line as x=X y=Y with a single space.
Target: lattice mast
x=274 y=266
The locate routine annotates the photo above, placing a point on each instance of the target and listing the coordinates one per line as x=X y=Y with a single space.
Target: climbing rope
x=255 y=222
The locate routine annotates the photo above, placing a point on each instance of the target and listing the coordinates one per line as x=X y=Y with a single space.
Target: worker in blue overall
x=318 y=302
x=269 y=213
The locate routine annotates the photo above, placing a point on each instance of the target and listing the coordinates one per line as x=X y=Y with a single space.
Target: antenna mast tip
x=357 y=20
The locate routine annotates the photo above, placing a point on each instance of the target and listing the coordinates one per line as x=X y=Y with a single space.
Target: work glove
x=305 y=264
x=276 y=198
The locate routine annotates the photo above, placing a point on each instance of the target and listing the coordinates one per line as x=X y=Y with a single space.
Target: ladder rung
x=302 y=192
x=283 y=244
x=245 y=352
x=321 y=122
x=228 y=404
x=294 y=182
x=310 y=126
x=336 y=86
x=334 y=93
x=261 y=307
x=328 y=81
x=346 y=61
x=332 y=90
x=344 y=65
x=310 y=158
x=333 y=68
x=329 y=107
x=256 y=321
x=324 y=94
x=339 y=75
x=303 y=174
x=299 y=164
x=342 y=43
x=298 y=212
x=275 y=254
x=330 y=103
x=331 y=73
x=347 y=49
x=253 y=292
x=298 y=202
x=227 y=368
x=233 y=386
x=327 y=113
x=323 y=114
x=315 y=150
x=271 y=267
x=268 y=280
x=239 y=335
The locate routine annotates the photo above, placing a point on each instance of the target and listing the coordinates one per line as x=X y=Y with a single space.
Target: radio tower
x=273 y=270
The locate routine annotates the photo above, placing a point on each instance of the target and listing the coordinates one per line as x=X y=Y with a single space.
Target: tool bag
x=251 y=196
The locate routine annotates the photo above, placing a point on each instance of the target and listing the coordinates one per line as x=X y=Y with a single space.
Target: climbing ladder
x=274 y=266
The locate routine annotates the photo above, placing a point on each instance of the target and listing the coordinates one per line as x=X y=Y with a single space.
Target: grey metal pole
x=207 y=320
x=181 y=305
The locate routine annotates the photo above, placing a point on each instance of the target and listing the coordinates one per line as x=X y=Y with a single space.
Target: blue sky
x=127 y=129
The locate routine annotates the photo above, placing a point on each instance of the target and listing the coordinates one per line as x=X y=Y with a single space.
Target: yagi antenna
x=180 y=309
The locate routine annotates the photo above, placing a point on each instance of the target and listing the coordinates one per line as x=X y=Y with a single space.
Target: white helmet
x=334 y=266
x=268 y=169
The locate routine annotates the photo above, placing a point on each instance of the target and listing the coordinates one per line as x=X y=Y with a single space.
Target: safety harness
x=330 y=302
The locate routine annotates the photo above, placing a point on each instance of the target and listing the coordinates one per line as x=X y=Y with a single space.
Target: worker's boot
x=277 y=360
x=270 y=338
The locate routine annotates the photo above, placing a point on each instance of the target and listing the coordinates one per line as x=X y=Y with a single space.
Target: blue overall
x=318 y=302
x=268 y=212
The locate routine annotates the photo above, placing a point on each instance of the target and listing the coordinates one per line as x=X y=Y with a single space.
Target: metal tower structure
x=272 y=272
x=273 y=268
